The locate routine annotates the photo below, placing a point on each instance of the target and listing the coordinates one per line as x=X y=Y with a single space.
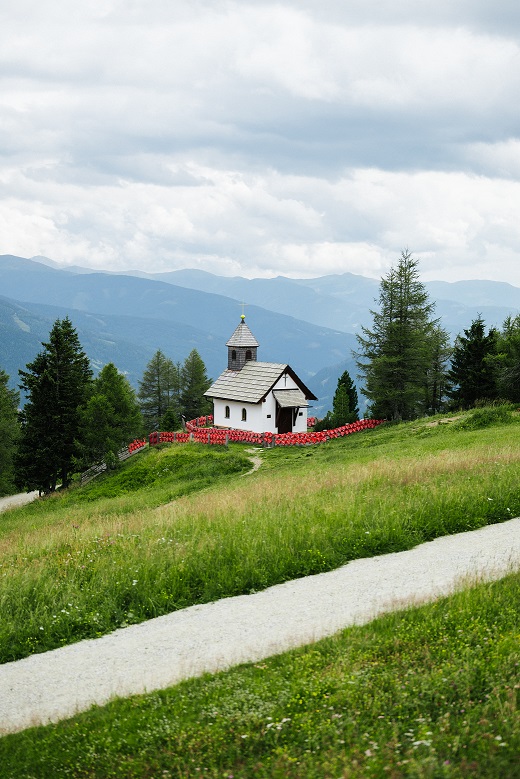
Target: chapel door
x=285 y=420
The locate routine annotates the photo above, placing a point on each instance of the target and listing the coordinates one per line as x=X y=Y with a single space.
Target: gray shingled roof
x=250 y=384
x=242 y=337
x=290 y=398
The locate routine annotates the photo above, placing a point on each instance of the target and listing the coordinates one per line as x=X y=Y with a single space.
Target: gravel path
x=17 y=500
x=163 y=651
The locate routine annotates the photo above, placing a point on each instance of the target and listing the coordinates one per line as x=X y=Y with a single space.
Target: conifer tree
x=344 y=405
x=9 y=434
x=340 y=407
x=395 y=354
x=437 y=383
x=508 y=360
x=57 y=383
x=194 y=383
x=159 y=390
x=472 y=374
x=110 y=418
x=345 y=408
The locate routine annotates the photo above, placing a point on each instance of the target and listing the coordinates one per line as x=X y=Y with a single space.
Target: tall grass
x=73 y=567
x=427 y=693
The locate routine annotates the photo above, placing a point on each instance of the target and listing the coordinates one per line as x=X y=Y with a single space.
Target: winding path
x=11 y=501
x=215 y=636
x=255 y=459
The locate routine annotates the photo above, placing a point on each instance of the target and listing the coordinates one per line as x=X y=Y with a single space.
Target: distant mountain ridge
x=343 y=301
x=126 y=317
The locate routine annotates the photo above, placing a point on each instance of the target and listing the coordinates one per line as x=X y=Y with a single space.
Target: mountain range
x=125 y=317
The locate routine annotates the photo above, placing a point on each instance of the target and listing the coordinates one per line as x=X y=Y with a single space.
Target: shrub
x=486 y=417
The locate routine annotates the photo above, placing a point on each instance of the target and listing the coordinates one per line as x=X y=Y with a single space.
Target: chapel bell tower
x=242 y=346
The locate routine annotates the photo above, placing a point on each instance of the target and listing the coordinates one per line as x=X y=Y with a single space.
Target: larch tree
x=57 y=384
x=9 y=434
x=159 y=391
x=395 y=354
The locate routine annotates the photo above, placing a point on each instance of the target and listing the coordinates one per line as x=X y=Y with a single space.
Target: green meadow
x=428 y=692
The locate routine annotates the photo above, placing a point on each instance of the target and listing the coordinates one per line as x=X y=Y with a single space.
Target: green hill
x=427 y=692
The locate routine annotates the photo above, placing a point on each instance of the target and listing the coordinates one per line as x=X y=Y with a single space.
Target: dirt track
x=211 y=637
x=17 y=500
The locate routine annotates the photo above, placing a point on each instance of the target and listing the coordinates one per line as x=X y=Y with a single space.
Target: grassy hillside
x=179 y=526
x=425 y=693
x=429 y=692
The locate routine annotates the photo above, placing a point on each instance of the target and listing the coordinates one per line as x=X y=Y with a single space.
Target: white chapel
x=262 y=397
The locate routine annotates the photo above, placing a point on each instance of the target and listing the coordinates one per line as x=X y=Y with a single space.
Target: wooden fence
x=123 y=454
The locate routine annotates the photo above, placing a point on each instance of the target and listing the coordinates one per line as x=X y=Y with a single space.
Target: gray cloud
x=261 y=138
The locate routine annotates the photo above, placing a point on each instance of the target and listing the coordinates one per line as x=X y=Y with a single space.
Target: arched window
x=244 y=415
x=227 y=412
x=233 y=355
x=249 y=355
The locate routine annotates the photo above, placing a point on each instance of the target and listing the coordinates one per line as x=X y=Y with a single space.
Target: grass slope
x=430 y=692
x=423 y=693
x=84 y=563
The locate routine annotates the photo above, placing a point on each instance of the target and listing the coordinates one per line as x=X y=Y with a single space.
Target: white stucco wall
x=261 y=417
x=255 y=416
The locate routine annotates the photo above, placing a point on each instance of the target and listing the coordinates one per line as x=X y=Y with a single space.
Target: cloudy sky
x=254 y=138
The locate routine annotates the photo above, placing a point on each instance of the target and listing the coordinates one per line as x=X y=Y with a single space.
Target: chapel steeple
x=242 y=346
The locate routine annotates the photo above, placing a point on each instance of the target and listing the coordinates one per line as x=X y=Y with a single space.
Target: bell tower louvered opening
x=242 y=347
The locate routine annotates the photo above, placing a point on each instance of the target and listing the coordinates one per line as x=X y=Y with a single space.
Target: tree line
x=407 y=366
x=72 y=420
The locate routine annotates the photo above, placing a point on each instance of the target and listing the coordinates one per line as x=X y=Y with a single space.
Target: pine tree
x=57 y=383
x=110 y=418
x=159 y=390
x=472 y=374
x=345 y=408
x=171 y=420
x=340 y=407
x=395 y=355
x=507 y=360
x=437 y=384
x=9 y=434
x=194 y=383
